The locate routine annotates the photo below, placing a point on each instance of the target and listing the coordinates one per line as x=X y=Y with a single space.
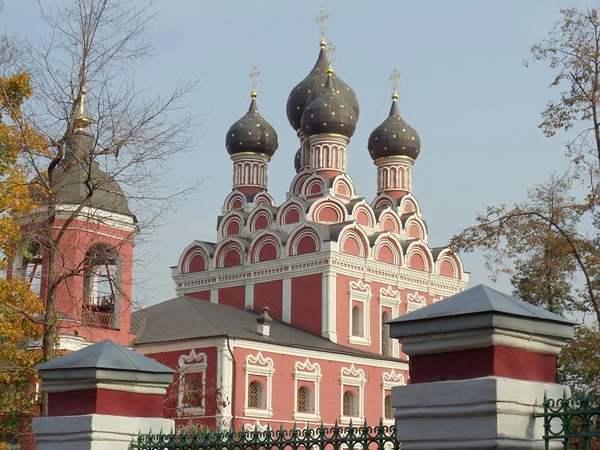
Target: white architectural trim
x=360 y=292
x=389 y=298
x=329 y=306
x=389 y=380
x=224 y=413
x=350 y=376
x=286 y=300
x=305 y=371
x=415 y=301
x=214 y=296
x=249 y=295
x=259 y=366
x=192 y=363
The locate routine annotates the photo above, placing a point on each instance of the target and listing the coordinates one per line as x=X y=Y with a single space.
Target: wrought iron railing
x=94 y=318
x=575 y=421
x=363 y=437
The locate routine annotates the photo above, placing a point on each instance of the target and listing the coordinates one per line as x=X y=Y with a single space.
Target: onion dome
x=329 y=113
x=297 y=160
x=312 y=86
x=394 y=137
x=252 y=133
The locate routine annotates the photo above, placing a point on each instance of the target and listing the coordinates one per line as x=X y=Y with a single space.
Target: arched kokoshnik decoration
x=327 y=210
x=235 y=200
x=297 y=186
x=419 y=257
x=263 y=198
x=232 y=223
x=384 y=201
x=230 y=252
x=408 y=204
x=265 y=247
x=196 y=257
x=363 y=214
x=292 y=211
x=343 y=186
x=415 y=228
x=304 y=239
x=314 y=186
x=352 y=240
x=448 y=264
x=390 y=221
x=260 y=219
x=388 y=249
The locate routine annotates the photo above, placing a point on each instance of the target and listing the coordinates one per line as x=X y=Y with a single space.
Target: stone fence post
x=480 y=362
x=100 y=397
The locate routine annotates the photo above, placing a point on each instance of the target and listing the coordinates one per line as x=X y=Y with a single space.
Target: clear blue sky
x=463 y=87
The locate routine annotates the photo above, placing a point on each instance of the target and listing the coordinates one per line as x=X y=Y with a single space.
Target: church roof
x=185 y=318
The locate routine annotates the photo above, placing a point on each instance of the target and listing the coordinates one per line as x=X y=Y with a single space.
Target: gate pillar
x=100 y=397
x=479 y=364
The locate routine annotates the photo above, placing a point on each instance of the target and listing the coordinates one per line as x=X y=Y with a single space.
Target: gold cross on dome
x=330 y=49
x=254 y=73
x=321 y=19
x=394 y=79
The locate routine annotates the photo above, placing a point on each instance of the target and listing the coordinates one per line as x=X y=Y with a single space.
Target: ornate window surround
x=415 y=301
x=263 y=367
x=389 y=380
x=305 y=371
x=360 y=292
x=390 y=298
x=350 y=376
x=188 y=364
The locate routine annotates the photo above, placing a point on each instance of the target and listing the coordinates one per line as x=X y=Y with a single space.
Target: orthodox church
x=282 y=318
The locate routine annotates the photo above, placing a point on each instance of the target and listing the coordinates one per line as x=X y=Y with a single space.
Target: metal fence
x=362 y=437
x=575 y=421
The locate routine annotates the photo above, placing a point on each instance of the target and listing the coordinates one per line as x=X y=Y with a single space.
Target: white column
x=224 y=383
x=214 y=296
x=328 y=306
x=287 y=300
x=249 y=295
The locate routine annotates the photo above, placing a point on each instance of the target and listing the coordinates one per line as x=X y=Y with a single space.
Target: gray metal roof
x=481 y=299
x=105 y=355
x=185 y=318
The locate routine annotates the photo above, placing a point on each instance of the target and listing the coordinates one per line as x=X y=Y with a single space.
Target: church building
x=280 y=319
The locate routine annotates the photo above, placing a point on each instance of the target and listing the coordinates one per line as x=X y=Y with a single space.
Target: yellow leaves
x=13 y=91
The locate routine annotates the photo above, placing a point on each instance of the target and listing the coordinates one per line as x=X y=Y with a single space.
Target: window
x=386 y=344
x=100 y=286
x=304 y=400
x=349 y=408
x=357 y=321
x=192 y=383
x=359 y=313
x=388 y=411
x=256 y=395
x=29 y=266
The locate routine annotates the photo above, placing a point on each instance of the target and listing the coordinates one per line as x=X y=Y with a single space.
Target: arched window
x=256 y=395
x=386 y=344
x=305 y=400
x=192 y=393
x=387 y=407
x=349 y=406
x=101 y=286
x=357 y=321
x=30 y=266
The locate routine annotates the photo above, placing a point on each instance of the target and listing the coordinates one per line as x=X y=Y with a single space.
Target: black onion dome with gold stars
x=329 y=113
x=298 y=160
x=312 y=86
x=394 y=137
x=252 y=133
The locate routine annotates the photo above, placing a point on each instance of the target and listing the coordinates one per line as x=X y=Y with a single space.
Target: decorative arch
x=363 y=214
x=304 y=240
x=418 y=257
x=229 y=253
x=260 y=219
x=388 y=249
x=290 y=212
x=327 y=210
x=235 y=200
x=354 y=241
x=415 y=228
x=196 y=260
x=383 y=200
x=298 y=182
x=342 y=186
x=232 y=224
x=314 y=186
x=390 y=221
x=409 y=204
x=263 y=198
x=265 y=247
x=448 y=264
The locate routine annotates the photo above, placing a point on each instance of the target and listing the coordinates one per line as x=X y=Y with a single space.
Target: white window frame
x=415 y=301
x=389 y=298
x=306 y=371
x=192 y=363
x=262 y=367
x=360 y=292
x=389 y=380
x=350 y=376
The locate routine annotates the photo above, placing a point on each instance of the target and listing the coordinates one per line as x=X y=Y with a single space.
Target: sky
x=464 y=87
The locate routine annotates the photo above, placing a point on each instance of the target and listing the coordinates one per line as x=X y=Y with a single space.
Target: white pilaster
x=328 y=306
x=249 y=295
x=224 y=386
x=94 y=431
x=214 y=296
x=287 y=300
